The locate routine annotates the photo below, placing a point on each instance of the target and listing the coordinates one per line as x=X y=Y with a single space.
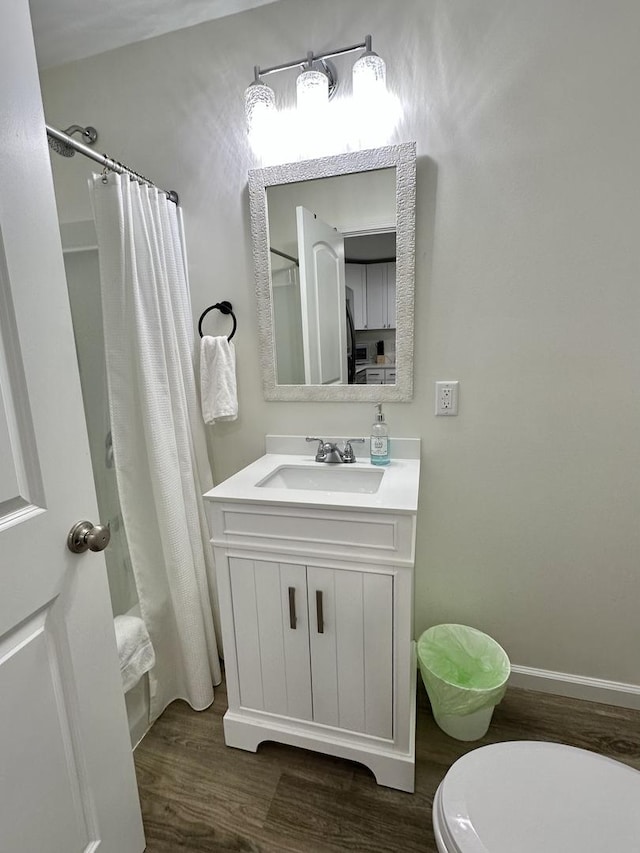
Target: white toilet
x=537 y=797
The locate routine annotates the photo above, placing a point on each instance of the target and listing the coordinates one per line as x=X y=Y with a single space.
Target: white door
x=67 y=781
x=323 y=300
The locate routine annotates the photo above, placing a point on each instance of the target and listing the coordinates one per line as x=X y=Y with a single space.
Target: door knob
x=84 y=536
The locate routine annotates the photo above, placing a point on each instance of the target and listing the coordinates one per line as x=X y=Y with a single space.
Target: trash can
x=465 y=673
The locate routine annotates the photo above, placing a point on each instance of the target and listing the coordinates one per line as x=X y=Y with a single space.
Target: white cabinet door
x=269 y=603
x=351 y=645
x=356 y=278
x=391 y=295
x=381 y=296
x=295 y=621
x=67 y=781
x=376 y=296
x=322 y=641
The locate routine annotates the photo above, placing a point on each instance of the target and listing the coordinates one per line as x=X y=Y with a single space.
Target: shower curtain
x=158 y=437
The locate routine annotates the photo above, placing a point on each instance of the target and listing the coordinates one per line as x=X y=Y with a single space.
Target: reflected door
x=323 y=300
x=67 y=781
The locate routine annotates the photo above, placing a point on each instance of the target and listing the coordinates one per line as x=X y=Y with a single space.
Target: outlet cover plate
x=447 y=398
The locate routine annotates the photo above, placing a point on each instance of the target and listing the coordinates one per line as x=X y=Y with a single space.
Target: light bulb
x=312 y=89
x=369 y=77
x=260 y=107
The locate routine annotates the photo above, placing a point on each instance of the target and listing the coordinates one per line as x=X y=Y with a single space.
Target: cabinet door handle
x=319 y=611
x=292 y=608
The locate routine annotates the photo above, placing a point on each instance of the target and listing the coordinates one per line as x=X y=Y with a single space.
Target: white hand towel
x=135 y=651
x=218 y=389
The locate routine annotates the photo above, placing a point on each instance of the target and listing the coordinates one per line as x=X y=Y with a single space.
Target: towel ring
x=225 y=308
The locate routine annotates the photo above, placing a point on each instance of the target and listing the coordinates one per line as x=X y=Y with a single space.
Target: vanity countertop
x=398 y=491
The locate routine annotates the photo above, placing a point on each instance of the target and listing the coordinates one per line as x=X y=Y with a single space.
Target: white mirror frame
x=403 y=159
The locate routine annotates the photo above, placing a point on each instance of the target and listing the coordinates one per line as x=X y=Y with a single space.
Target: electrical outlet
x=447 y=398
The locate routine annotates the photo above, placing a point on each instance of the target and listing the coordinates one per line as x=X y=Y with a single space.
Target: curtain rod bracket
x=104 y=160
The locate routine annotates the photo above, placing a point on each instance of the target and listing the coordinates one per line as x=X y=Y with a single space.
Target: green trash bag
x=463 y=669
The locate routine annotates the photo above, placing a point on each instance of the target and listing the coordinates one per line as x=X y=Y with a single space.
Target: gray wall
x=528 y=129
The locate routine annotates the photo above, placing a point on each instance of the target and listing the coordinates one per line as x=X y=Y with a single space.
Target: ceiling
x=66 y=30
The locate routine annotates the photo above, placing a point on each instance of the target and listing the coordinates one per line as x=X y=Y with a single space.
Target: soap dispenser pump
x=380 y=442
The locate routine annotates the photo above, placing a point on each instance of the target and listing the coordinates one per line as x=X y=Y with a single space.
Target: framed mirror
x=334 y=253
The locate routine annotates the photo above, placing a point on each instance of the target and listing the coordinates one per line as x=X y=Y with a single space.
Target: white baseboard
x=576 y=686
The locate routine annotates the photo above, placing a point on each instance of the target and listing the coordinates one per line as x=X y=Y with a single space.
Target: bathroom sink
x=324 y=478
x=286 y=475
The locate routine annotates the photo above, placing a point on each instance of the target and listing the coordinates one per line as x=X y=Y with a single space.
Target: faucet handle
x=320 y=452
x=349 y=455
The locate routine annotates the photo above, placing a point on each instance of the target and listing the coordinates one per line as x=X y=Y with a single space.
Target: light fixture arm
x=310 y=58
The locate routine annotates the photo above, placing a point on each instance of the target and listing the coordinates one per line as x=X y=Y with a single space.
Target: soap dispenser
x=380 y=442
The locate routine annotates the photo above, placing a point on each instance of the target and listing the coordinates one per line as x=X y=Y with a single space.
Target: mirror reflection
x=332 y=249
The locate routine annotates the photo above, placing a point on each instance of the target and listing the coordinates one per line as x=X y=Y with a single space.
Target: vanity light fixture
x=259 y=104
x=316 y=83
x=312 y=85
x=369 y=75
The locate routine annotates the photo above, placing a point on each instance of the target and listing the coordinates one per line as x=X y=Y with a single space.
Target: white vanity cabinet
x=316 y=605
x=314 y=643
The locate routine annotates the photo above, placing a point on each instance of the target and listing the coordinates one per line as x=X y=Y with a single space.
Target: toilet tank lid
x=531 y=796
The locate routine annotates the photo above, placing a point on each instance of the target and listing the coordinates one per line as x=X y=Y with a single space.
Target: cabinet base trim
x=391 y=769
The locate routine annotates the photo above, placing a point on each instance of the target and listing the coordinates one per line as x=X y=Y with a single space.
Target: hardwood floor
x=199 y=795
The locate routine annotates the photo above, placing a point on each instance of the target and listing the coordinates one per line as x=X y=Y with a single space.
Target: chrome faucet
x=329 y=452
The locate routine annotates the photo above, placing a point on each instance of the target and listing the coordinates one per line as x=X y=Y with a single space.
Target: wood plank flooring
x=199 y=796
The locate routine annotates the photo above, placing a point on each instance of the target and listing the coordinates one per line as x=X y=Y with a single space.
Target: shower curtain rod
x=108 y=162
